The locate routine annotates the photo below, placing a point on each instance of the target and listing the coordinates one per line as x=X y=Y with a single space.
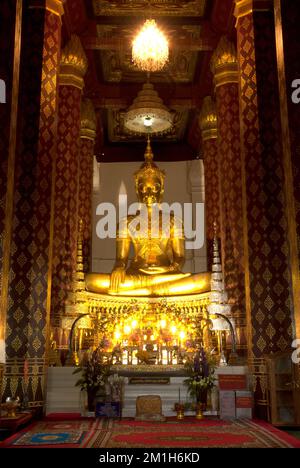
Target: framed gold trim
x=226 y=77
x=210 y=134
x=87 y=134
x=71 y=80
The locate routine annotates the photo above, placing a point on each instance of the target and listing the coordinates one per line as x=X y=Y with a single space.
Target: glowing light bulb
x=117 y=335
x=182 y=335
x=173 y=329
x=148 y=121
x=134 y=323
x=127 y=329
x=150 y=49
x=163 y=323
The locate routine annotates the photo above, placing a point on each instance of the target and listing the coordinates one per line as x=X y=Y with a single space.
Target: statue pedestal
x=64 y=397
x=161 y=327
x=166 y=383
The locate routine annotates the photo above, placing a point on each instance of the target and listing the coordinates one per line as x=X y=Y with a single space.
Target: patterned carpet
x=191 y=433
x=108 y=433
x=59 y=434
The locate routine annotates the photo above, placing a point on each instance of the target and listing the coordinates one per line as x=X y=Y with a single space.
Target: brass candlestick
x=179 y=408
x=199 y=411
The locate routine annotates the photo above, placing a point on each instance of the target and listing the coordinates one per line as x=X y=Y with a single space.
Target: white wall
x=183 y=184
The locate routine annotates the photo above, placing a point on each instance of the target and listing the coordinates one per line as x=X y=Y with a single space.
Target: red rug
x=107 y=433
x=192 y=433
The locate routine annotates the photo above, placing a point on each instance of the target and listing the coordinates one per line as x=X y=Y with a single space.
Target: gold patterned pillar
x=71 y=81
x=209 y=132
x=28 y=237
x=86 y=165
x=269 y=298
x=10 y=44
x=225 y=70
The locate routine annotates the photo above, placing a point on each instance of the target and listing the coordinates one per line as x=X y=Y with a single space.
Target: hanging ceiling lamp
x=150 y=49
x=148 y=114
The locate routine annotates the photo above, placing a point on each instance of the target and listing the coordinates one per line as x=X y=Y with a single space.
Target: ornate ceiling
x=158 y=7
x=106 y=29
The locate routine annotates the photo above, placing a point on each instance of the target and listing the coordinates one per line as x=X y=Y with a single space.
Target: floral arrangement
x=95 y=370
x=116 y=387
x=200 y=370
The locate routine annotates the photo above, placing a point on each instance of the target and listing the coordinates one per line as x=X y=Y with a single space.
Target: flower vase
x=199 y=410
x=91 y=395
x=201 y=402
x=179 y=408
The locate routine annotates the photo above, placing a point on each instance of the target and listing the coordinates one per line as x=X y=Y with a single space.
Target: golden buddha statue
x=156 y=267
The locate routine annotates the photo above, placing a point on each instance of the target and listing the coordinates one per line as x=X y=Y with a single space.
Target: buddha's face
x=149 y=190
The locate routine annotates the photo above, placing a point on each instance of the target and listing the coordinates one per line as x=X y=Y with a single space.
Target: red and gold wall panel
x=227 y=100
x=86 y=159
x=290 y=12
x=7 y=37
x=30 y=262
x=212 y=196
x=66 y=198
x=269 y=294
x=287 y=16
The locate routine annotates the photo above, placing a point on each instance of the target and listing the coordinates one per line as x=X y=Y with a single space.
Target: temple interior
x=150 y=205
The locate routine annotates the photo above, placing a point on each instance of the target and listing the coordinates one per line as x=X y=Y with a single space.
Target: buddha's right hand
x=117 y=277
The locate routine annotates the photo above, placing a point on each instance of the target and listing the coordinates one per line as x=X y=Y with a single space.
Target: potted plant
x=95 y=369
x=200 y=379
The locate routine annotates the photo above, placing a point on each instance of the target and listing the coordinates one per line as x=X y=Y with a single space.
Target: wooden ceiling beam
x=136 y=20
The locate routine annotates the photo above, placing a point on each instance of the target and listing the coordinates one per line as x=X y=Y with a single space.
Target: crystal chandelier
x=148 y=114
x=150 y=49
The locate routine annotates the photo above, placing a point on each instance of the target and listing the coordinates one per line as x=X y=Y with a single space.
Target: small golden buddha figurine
x=159 y=249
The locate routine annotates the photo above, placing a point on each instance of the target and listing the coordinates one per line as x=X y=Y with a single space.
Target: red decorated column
x=209 y=132
x=269 y=298
x=25 y=300
x=10 y=42
x=72 y=70
x=225 y=70
x=86 y=166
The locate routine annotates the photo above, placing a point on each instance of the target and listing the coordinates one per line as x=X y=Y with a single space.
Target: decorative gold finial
x=88 y=120
x=149 y=169
x=79 y=275
x=77 y=296
x=208 y=120
x=74 y=63
x=148 y=153
x=224 y=65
